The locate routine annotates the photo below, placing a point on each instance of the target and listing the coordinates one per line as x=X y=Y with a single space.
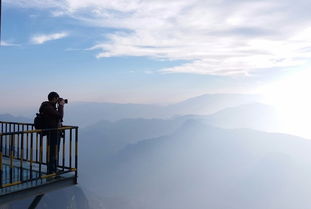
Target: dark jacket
x=52 y=116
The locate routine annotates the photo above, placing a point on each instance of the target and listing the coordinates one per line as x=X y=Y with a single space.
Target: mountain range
x=200 y=166
x=11 y=118
x=214 y=151
x=116 y=135
x=86 y=114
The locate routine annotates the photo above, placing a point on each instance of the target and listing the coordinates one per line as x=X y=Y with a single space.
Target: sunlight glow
x=291 y=97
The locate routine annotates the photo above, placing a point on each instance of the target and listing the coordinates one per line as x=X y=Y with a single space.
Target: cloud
x=7 y=43
x=46 y=4
x=215 y=37
x=42 y=38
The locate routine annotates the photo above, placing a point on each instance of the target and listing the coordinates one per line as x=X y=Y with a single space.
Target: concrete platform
x=34 y=185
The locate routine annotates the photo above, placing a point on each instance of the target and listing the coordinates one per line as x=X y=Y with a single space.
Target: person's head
x=53 y=97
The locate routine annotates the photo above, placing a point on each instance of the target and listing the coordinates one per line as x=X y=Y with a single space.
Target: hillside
x=202 y=166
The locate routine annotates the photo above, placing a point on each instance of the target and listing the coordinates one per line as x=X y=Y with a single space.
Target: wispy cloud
x=8 y=43
x=215 y=37
x=42 y=38
x=36 y=3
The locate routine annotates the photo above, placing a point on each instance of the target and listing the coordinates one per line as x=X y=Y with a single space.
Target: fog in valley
x=218 y=151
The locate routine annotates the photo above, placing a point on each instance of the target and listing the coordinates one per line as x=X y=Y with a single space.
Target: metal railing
x=25 y=153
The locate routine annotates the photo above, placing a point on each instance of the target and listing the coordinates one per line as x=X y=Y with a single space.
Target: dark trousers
x=53 y=141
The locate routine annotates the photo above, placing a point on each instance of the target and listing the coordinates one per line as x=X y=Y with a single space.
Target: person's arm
x=57 y=114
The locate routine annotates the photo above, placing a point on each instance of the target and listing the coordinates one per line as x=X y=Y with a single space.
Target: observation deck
x=24 y=157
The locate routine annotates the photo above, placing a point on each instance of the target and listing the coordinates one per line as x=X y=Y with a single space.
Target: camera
x=65 y=100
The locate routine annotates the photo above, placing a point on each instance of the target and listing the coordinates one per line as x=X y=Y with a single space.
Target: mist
x=213 y=151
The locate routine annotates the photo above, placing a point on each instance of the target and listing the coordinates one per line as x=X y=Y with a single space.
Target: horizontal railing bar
x=17 y=123
x=39 y=130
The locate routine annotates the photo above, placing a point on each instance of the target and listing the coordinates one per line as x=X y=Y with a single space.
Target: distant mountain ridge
x=211 y=103
x=86 y=113
x=11 y=118
x=254 y=116
x=116 y=135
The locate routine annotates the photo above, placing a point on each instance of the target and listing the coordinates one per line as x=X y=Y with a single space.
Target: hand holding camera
x=62 y=101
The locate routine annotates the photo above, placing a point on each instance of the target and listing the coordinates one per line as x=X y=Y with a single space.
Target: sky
x=149 y=51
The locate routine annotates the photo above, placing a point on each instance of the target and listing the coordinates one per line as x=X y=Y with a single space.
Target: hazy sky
x=147 y=51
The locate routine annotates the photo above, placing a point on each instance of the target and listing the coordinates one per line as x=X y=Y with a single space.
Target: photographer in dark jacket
x=52 y=112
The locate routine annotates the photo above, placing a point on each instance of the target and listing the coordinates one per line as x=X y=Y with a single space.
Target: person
x=52 y=112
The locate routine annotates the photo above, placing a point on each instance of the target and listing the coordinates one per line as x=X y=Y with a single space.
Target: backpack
x=39 y=121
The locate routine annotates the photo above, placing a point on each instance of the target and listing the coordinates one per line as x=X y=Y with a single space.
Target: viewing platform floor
x=32 y=184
